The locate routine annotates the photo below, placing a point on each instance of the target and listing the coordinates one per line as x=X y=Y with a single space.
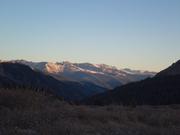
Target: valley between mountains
x=62 y=99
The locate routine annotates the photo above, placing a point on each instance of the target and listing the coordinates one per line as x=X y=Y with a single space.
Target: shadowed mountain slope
x=162 y=89
x=18 y=75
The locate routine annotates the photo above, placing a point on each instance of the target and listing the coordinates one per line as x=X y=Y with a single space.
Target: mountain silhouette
x=174 y=69
x=163 y=89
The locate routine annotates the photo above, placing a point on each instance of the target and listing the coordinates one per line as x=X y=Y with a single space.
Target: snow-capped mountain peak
x=53 y=68
x=100 y=74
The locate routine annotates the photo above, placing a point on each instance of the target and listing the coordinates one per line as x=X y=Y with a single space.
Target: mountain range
x=90 y=84
x=15 y=75
x=102 y=75
x=71 y=81
x=162 y=89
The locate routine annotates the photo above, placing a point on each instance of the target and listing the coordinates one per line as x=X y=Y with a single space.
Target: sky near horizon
x=137 y=34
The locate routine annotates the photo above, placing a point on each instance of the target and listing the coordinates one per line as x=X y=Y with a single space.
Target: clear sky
x=137 y=34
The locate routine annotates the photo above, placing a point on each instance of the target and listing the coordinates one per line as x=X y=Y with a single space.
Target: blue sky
x=137 y=34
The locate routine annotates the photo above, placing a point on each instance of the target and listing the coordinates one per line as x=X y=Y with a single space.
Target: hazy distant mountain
x=13 y=75
x=98 y=74
x=162 y=89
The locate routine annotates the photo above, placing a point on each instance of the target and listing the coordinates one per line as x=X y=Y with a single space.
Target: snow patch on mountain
x=134 y=72
x=53 y=68
x=100 y=74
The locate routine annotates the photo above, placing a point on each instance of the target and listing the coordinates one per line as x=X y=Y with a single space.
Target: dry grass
x=23 y=112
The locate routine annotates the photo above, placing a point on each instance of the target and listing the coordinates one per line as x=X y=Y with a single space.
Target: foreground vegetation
x=24 y=112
